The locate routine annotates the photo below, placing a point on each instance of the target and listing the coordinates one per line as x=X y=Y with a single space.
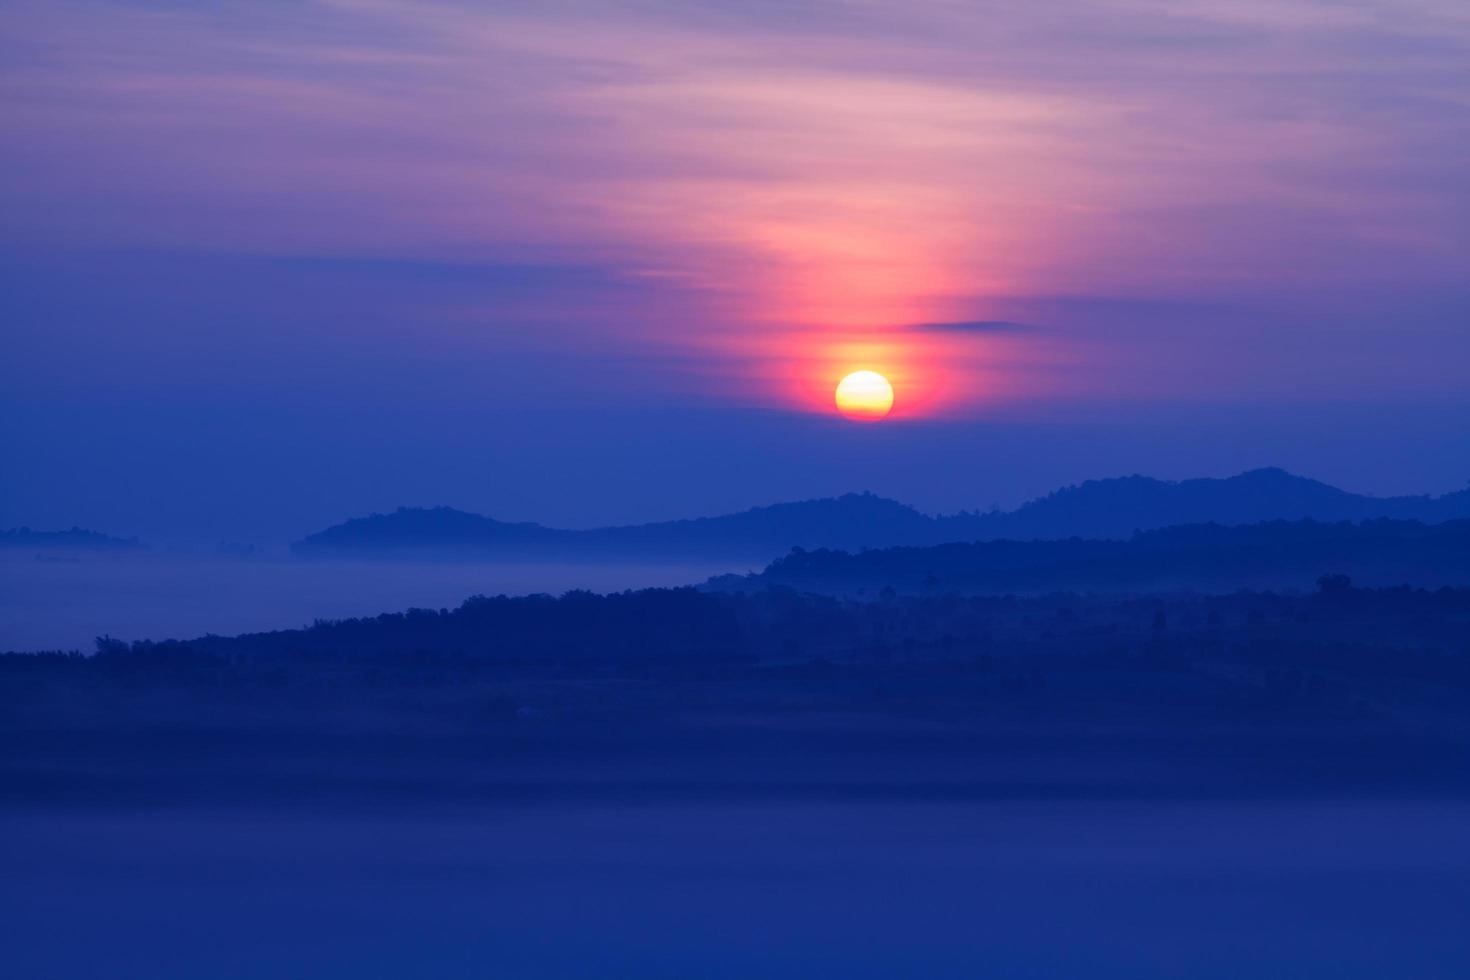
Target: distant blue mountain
x=1117 y=508
x=1101 y=509
x=851 y=521
x=74 y=539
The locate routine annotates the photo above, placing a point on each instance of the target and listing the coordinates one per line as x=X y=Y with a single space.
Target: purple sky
x=264 y=265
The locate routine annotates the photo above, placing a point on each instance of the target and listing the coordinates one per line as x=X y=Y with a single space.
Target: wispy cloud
x=829 y=167
x=973 y=327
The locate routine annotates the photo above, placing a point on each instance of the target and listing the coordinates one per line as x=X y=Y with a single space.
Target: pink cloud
x=823 y=181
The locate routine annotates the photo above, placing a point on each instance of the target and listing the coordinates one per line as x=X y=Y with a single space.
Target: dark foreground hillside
x=683 y=694
x=683 y=784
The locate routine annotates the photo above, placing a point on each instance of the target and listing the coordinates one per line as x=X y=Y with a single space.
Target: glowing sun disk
x=864 y=396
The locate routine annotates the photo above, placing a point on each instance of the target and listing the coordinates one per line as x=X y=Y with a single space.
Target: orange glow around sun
x=930 y=373
x=864 y=396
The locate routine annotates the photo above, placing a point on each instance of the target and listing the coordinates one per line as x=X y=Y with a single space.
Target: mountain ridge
x=1112 y=508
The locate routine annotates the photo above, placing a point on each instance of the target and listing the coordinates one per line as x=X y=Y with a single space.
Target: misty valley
x=1202 y=747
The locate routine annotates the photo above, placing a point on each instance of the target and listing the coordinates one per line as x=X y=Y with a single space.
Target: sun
x=864 y=396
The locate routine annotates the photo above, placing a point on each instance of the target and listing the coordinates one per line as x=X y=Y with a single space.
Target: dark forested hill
x=1097 y=509
x=771 y=694
x=1211 y=557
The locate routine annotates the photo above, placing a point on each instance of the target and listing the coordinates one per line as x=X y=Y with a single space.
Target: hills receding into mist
x=1101 y=510
x=1111 y=509
x=850 y=521
x=73 y=539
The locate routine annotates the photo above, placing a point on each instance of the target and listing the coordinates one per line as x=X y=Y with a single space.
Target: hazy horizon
x=229 y=529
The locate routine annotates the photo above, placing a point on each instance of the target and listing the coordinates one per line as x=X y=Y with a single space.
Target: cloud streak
x=813 y=174
x=973 y=327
